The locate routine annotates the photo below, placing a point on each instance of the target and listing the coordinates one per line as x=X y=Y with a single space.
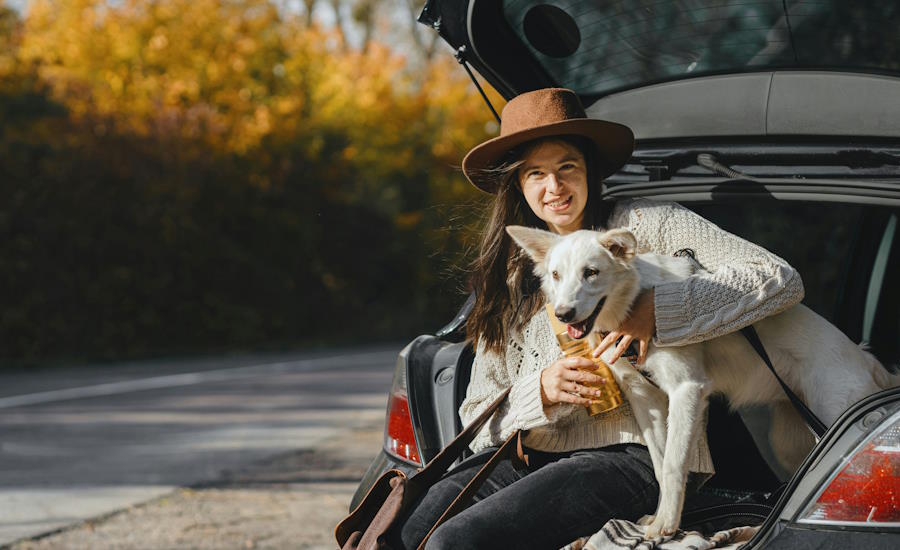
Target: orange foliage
x=235 y=73
x=203 y=173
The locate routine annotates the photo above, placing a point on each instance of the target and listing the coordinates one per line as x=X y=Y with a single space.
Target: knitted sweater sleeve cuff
x=668 y=301
x=525 y=403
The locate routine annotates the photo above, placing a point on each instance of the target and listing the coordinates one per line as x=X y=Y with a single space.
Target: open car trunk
x=776 y=120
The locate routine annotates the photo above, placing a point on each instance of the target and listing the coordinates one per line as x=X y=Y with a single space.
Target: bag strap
x=812 y=421
x=460 y=503
x=429 y=475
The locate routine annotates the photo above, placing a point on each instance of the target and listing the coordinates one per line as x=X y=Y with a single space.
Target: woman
x=545 y=171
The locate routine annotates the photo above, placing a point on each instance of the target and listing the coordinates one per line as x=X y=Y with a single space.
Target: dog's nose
x=565 y=314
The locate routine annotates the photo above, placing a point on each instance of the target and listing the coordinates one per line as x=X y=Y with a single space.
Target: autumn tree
x=188 y=176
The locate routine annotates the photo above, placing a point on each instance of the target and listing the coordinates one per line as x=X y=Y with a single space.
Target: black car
x=780 y=122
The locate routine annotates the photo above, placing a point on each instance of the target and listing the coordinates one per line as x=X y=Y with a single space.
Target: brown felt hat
x=546 y=113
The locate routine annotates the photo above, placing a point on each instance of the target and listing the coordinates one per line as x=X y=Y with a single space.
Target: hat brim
x=614 y=144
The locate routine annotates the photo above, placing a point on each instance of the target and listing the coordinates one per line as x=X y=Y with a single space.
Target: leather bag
x=389 y=498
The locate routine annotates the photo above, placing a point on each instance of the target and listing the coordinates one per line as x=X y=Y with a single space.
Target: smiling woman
x=545 y=171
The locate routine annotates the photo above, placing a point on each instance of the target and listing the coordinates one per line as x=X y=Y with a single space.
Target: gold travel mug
x=610 y=397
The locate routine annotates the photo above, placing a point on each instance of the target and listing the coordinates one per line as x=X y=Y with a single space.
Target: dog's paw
x=659 y=527
x=646 y=520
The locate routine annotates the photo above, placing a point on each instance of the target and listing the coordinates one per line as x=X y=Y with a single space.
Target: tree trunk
x=339 y=22
x=364 y=15
x=310 y=5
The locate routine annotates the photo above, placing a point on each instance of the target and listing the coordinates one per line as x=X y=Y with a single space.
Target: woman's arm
x=523 y=410
x=744 y=283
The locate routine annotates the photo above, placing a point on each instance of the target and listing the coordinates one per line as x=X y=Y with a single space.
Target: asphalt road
x=81 y=443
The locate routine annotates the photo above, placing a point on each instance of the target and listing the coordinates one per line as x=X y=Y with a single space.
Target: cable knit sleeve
x=744 y=282
x=523 y=410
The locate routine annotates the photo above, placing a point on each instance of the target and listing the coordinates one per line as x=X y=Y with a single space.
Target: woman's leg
x=428 y=510
x=559 y=502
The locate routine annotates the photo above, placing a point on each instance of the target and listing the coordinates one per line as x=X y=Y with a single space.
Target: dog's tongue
x=575 y=331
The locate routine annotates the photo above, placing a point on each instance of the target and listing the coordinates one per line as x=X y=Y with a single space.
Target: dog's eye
x=590 y=272
x=555 y=275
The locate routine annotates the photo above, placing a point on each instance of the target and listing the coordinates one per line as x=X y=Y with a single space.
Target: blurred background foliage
x=200 y=176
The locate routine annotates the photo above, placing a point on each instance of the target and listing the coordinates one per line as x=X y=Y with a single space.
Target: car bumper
x=790 y=537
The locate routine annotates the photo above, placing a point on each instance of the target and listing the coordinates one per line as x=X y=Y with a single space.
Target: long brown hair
x=508 y=293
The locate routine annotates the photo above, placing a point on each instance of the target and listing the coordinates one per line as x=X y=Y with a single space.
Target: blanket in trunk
x=619 y=534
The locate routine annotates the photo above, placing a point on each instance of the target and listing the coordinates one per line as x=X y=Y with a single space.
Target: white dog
x=592 y=279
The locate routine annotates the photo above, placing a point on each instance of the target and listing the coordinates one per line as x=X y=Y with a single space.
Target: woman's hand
x=640 y=326
x=562 y=382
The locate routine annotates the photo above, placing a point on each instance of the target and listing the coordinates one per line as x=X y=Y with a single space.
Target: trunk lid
x=600 y=48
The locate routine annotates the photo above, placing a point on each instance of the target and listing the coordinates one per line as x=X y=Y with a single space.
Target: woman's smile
x=558 y=205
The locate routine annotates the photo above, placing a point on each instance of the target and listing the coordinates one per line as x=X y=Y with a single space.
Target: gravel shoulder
x=291 y=500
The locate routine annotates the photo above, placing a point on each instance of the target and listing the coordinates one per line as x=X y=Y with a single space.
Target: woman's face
x=553 y=178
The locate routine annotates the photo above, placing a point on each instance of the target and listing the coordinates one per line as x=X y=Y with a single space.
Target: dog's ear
x=536 y=242
x=620 y=242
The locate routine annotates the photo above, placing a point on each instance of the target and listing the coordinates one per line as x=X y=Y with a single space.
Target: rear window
x=599 y=47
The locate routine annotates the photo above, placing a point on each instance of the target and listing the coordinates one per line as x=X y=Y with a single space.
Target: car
x=779 y=122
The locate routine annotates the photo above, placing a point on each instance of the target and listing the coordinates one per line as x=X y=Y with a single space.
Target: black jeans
x=558 y=498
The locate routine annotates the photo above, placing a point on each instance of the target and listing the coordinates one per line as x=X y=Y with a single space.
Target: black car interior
x=846 y=273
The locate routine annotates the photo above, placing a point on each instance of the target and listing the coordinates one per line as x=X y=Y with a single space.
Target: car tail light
x=866 y=488
x=399 y=437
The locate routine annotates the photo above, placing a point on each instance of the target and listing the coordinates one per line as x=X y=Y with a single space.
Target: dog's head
x=587 y=276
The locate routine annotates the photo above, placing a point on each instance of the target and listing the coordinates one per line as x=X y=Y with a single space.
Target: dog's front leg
x=649 y=405
x=680 y=374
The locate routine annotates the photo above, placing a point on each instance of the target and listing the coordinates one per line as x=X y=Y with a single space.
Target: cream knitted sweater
x=744 y=283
